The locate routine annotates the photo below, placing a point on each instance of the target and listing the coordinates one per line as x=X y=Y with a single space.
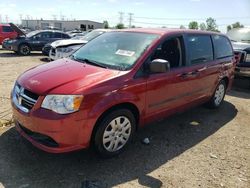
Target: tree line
x=209 y=25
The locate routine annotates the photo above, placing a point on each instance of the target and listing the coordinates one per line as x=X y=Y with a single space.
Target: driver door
x=170 y=90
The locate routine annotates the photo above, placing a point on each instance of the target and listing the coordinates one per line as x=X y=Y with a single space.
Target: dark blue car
x=33 y=41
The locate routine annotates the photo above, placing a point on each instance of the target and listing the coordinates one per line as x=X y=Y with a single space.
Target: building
x=64 y=25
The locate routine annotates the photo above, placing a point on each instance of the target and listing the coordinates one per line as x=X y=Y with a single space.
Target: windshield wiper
x=91 y=62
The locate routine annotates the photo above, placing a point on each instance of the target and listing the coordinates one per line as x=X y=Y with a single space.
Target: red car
x=6 y=31
x=118 y=82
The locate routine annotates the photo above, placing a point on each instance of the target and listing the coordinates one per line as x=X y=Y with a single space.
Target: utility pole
x=21 y=18
x=130 y=19
x=0 y=18
x=121 y=17
x=6 y=18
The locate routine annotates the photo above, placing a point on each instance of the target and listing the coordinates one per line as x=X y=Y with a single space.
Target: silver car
x=64 y=48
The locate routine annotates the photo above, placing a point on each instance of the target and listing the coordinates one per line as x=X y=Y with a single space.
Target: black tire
x=103 y=126
x=24 y=49
x=214 y=101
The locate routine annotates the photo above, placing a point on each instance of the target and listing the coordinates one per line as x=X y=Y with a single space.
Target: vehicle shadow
x=13 y=54
x=24 y=165
x=45 y=59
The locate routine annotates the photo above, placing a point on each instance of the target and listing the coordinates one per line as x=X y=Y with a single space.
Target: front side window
x=199 y=48
x=222 y=47
x=7 y=29
x=117 y=50
x=46 y=35
x=172 y=51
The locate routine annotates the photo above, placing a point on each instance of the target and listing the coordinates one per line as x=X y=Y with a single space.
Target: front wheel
x=218 y=95
x=24 y=49
x=114 y=132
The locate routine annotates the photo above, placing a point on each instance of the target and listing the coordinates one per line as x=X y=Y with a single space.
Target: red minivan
x=118 y=82
x=6 y=31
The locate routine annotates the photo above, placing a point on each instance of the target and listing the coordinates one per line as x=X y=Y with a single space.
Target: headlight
x=65 y=50
x=11 y=41
x=62 y=104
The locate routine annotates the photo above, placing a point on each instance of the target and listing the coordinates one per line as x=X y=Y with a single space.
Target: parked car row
x=117 y=82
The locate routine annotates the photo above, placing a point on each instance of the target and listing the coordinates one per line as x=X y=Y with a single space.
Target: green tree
x=106 y=24
x=203 y=27
x=211 y=25
x=229 y=27
x=193 y=25
x=182 y=27
x=234 y=25
x=120 y=26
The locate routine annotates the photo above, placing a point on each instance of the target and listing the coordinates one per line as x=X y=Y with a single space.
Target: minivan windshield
x=239 y=35
x=115 y=50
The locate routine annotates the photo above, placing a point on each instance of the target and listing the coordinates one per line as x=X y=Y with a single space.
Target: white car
x=64 y=48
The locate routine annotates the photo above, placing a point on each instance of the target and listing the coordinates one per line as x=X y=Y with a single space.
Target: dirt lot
x=214 y=153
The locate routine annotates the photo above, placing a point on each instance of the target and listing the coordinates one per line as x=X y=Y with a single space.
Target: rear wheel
x=114 y=132
x=24 y=49
x=218 y=95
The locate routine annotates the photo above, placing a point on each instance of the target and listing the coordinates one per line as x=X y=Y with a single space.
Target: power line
x=219 y=18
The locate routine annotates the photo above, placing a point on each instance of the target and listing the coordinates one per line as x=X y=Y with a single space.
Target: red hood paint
x=45 y=78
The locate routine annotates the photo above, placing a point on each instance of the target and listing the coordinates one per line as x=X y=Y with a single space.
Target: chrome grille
x=23 y=98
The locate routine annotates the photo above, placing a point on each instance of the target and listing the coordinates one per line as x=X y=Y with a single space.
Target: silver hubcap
x=219 y=94
x=116 y=134
x=25 y=50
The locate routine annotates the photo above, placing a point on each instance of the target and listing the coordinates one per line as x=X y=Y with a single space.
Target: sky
x=146 y=13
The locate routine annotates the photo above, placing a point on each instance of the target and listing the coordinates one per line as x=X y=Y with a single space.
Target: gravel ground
x=212 y=152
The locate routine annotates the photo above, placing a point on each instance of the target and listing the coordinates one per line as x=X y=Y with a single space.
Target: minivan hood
x=67 y=42
x=74 y=75
x=16 y=29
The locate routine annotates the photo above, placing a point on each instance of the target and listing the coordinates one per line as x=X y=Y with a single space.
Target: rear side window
x=7 y=29
x=222 y=47
x=57 y=35
x=200 y=48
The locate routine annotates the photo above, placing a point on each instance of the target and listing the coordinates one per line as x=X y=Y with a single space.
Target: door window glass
x=222 y=47
x=199 y=48
x=170 y=50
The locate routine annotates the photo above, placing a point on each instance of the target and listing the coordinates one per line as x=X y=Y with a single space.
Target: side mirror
x=159 y=66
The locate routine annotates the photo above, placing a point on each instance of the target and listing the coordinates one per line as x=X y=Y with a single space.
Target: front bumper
x=8 y=46
x=52 y=132
x=54 y=54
